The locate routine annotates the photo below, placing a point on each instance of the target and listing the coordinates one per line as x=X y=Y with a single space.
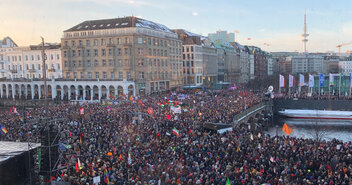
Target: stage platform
x=15 y=163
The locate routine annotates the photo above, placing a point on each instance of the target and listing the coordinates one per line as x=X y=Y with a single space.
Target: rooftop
x=124 y=22
x=10 y=149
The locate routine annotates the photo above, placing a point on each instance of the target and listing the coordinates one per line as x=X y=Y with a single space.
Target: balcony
x=32 y=70
x=51 y=70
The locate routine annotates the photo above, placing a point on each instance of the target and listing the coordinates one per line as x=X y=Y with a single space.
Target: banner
x=331 y=79
x=282 y=81
x=350 y=80
x=311 y=81
x=321 y=80
x=291 y=81
x=176 y=110
x=301 y=80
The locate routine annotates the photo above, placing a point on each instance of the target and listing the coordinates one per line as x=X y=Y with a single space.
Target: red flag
x=77 y=169
x=168 y=116
x=150 y=111
x=249 y=38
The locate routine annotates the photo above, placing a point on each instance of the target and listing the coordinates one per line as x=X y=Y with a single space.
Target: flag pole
x=350 y=83
x=340 y=86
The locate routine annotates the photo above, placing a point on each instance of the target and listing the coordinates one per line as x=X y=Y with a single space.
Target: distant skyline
x=280 y=24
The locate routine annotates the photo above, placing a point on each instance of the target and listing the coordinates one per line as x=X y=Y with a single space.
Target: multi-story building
x=345 y=66
x=244 y=61
x=26 y=62
x=331 y=64
x=199 y=59
x=222 y=36
x=127 y=48
x=231 y=61
x=259 y=68
x=272 y=67
x=307 y=63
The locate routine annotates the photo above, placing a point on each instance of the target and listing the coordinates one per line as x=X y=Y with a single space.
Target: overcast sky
x=276 y=22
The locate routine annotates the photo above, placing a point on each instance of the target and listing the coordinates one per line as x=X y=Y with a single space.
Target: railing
x=247 y=112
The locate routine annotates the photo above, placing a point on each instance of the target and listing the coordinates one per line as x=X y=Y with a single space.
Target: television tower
x=305 y=34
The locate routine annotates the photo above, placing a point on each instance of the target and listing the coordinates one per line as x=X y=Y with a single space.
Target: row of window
x=125 y=40
x=188 y=48
x=29 y=58
x=111 y=52
x=141 y=75
x=29 y=76
x=97 y=75
x=120 y=63
x=33 y=66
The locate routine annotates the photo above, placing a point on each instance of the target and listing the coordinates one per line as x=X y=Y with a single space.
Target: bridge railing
x=247 y=111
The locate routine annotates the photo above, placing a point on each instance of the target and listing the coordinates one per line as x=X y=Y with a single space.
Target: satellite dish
x=271 y=88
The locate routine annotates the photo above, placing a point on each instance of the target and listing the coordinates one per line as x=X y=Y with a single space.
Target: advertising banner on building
x=311 y=81
x=291 y=81
x=282 y=81
x=321 y=80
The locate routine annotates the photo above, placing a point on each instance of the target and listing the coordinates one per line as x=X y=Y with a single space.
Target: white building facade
x=61 y=89
x=307 y=63
x=26 y=62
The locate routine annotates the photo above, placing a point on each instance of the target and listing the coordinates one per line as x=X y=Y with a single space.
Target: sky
x=276 y=22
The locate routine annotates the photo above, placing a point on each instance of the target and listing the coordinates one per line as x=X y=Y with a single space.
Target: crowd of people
x=139 y=140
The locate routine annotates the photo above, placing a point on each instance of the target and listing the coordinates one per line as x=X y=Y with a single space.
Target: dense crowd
x=109 y=142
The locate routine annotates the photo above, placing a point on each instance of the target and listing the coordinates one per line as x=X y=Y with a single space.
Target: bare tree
x=318 y=131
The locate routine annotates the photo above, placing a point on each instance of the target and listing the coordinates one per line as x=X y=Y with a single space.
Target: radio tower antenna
x=305 y=34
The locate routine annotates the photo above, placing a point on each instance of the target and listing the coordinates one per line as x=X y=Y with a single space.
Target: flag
x=21 y=119
x=249 y=38
x=79 y=164
x=176 y=132
x=331 y=79
x=291 y=81
x=286 y=129
x=236 y=31
x=282 y=81
x=14 y=110
x=81 y=111
x=301 y=80
x=4 y=130
x=321 y=80
x=106 y=177
x=109 y=108
x=150 y=111
x=272 y=159
x=77 y=169
x=228 y=181
x=168 y=117
x=311 y=81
